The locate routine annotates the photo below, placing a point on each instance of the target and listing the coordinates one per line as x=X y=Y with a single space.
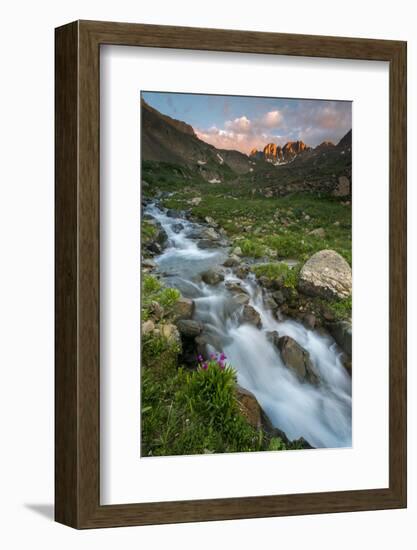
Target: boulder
x=297 y=359
x=237 y=251
x=235 y=286
x=240 y=298
x=210 y=234
x=170 y=333
x=232 y=261
x=207 y=243
x=184 y=308
x=310 y=320
x=273 y=337
x=177 y=227
x=270 y=303
x=342 y=188
x=342 y=333
x=241 y=271
x=172 y=213
x=212 y=276
x=147 y=327
x=189 y=328
x=251 y=316
x=327 y=275
x=279 y=297
x=195 y=201
x=249 y=407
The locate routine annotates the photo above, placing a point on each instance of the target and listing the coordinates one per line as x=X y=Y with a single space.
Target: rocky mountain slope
x=169 y=140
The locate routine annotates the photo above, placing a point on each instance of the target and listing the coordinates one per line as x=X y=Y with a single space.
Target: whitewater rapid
x=321 y=414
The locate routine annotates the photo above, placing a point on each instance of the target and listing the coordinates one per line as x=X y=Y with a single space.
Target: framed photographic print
x=230 y=274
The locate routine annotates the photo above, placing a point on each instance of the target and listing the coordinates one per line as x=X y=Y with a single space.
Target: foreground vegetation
x=187 y=411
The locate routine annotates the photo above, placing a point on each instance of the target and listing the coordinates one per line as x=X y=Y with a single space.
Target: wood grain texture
x=78 y=284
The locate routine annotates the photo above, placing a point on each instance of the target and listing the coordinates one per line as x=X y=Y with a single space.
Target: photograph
x=246 y=274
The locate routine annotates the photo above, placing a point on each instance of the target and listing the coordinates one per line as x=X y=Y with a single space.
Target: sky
x=245 y=123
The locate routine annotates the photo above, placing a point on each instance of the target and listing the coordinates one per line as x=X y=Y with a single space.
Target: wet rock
x=279 y=297
x=251 y=316
x=210 y=234
x=240 y=298
x=189 y=328
x=342 y=333
x=237 y=251
x=148 y=327
x=270 y=303
x=273 y=337
x=206 y=243
x=177 y=227
x=241 y=271
x=301 y=443
x=310 y=320
x=249 y=407
x=184 y=308
x=235 y=286
x=297 y=359
x=212 y=276
x=154 y=248
x=232 y=261
x=327 y=275
x=172 y=213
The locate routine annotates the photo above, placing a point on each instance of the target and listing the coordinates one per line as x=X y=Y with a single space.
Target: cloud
x=241 y=124
x=309 y=120
x=272 y=119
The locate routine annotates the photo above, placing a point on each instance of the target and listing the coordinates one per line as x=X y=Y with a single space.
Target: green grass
x=287 y=275
x=154 y=291
x=148 y=231
x=195 y=412
x=280 y=225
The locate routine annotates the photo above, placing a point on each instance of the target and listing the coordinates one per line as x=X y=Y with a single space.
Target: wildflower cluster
x=216 y=360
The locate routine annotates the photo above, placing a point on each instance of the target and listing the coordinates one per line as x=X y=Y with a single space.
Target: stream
x=321 y=414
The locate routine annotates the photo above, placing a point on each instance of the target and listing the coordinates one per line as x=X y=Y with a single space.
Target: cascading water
x=321 y=414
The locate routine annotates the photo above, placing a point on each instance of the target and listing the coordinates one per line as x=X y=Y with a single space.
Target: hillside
x=165 y=139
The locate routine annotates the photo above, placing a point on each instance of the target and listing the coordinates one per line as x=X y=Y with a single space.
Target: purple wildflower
x=204 y=366
x=222 y=357
x=200 y=358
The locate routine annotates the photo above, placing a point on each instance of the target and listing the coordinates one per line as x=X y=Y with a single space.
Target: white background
x=124 y=477
x=26 y=295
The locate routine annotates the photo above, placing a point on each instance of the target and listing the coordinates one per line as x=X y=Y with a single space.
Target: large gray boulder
x=327 y=275
x=297 y=359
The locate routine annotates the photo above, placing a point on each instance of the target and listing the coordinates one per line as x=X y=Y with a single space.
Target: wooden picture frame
x=77 y=382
